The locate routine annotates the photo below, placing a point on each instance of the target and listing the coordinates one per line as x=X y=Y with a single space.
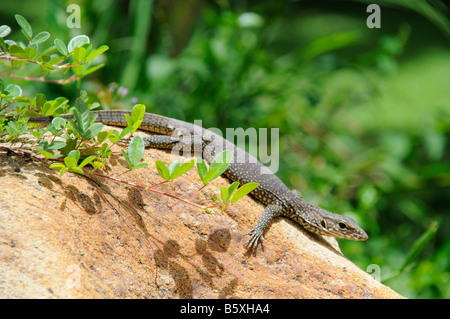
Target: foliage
x=29 y=57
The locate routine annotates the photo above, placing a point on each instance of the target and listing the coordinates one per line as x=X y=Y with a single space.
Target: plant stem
x=40 y=79
x=197 y=191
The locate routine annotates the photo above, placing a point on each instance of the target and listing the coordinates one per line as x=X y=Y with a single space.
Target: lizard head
x=323 y=222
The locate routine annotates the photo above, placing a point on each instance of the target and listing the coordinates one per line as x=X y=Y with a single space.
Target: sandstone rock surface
x=70 y=238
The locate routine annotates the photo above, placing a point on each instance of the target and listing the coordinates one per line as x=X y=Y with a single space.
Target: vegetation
x=363 y=113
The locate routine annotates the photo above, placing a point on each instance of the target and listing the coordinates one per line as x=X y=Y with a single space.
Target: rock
x=74 y=237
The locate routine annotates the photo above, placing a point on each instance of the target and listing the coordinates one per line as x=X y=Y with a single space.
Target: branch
x=43 y=64
x=41 y=79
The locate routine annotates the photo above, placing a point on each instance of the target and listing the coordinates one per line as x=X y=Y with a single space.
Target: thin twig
x=197 y=191
x=43 y=64
x=41 y=79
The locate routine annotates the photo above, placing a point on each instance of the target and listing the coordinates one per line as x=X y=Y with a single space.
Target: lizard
x=280 y=201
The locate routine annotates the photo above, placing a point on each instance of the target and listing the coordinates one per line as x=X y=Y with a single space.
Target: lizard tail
x=47 y=119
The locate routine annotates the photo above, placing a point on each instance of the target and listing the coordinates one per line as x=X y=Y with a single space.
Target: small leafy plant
x=71 y=163
x=69 y=62
x=218 y=166
x=174 y=169
x=226 y=193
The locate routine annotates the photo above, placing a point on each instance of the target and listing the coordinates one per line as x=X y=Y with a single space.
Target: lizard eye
x=342 y=225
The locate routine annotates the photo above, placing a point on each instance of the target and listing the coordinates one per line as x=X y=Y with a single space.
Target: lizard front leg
x=160 y=141
x=256 y=234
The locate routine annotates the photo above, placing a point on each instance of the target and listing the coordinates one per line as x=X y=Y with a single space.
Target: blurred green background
x=364 y=114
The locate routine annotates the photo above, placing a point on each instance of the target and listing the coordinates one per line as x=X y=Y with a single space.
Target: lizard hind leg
x=256 y=234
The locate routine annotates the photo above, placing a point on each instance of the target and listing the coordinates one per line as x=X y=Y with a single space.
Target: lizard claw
x=255 y=239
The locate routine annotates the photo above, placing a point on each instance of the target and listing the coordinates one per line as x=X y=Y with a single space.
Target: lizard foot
x=256 y=239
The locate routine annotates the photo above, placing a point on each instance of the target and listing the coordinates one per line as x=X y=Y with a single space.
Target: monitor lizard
x=244 y=168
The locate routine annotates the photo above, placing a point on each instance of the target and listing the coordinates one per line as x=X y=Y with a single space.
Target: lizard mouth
x=351 y=234
x=360 y=236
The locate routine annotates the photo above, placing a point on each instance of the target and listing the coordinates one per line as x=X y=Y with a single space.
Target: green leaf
x=87 y=160
x=30 y=52
x=75 y=126
x=128 y=120
x=23 y=99
x=114 y=137
x=208 y=177
x=77 y=69
x=59 y=122
x=48 y=108
x=124 y=132
x=40 y=100
x=96 y=52
x=74 y=154
x=202 y=168
x=182 y=169
x=224 y=194
x=3 y=45
x=221 y=161
x=87 y=47
x=59 y=166
x=41 y=37
x=97 y=165
x=82 y=114
x=45 y=56
x=92 y=69
x=25 y=26
x=137 y=116
x=17 y=51
x=46 y=154
x=31 y=113
x=125 y=155
x=138 y=112
x=76 y=169
x=70 y=161
x=92 y=131
x=60 y=103
x=136 y=150
x=79 y=53
x=71 y=144
x=103 y=136
x=244 y=190
x=56 y=145
x=62 y=49
x=14 y=89
x=232 y=188
x=77 y=41
x=45 y=59
x=4 y=31
x=162 y=169
x=173 y=166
